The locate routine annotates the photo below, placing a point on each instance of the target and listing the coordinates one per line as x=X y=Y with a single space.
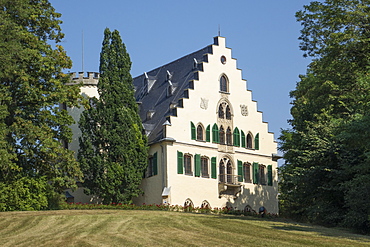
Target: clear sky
x=263 y=36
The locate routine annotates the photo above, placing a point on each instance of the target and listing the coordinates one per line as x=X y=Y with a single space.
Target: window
x=222 y=172
x=247 y=172
x=249 y=141
x=222 y=135
x=187 y=164
x=262 y=174
x=229 y=171
x=228 y=113
x=205 y=204
x=221 y=113
x=229 y=139
x=188 y=205
x=199 y=133
x=224 y=84
x=204 y=167
x=226 y=171
x=152 y=169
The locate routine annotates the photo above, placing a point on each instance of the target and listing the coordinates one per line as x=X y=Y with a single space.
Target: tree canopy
x=324 y=178
x=34 y=166
x=113 y=148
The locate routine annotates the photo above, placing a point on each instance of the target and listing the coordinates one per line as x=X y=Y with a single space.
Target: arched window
x=188 y=205
x=229 y=171
x=249 y=141
x=226 y=171
x=222 y=172
x=224 y=87
x=228 y=112
x=222 y=135
x=205 y=204
x=229 y=139
x=221 y=113
x=199 y=133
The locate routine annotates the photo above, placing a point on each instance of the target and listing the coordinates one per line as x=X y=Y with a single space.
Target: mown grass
x=159 y=228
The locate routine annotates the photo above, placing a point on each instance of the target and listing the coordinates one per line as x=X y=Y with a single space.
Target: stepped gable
x=158 y=92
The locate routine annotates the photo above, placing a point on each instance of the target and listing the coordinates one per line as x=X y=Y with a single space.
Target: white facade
x=201 y=107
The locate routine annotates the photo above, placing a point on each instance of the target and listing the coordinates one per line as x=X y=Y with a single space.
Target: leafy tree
x=325 y=150
x=32 y=85
x=113 y=150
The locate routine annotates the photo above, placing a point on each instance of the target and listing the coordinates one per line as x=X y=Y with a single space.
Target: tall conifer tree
x=113 y=150
x=33 y=163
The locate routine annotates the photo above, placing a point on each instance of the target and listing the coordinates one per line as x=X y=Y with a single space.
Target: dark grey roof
x=151 y=90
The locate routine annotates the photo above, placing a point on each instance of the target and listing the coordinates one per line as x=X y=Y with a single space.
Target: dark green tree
x=113 y=149
x=34 y=166
x=326 y=155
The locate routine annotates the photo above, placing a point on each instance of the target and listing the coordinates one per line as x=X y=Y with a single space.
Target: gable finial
x=219 y=30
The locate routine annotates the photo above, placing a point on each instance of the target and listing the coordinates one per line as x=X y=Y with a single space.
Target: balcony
x=228 y=185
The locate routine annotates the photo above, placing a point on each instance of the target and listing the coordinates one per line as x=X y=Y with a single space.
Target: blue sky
x=263 y=36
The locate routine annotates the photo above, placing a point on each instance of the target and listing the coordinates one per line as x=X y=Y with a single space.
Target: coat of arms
x=244 y=110
x=203 y=103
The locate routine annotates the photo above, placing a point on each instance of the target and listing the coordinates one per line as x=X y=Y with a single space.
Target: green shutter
x=269 y=175
x=215 y=134
x=180 y=163
x=255 y=173
x=208 y=133
x=236 y=136
x=155 y=166
x=193 y=131
x=257 y=142
x=243 y=138
x=213 y=168
x=197 y=165
x=240 y=171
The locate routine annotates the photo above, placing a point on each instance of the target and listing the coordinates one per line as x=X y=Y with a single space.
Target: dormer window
x=149 y=114
x=224 y=87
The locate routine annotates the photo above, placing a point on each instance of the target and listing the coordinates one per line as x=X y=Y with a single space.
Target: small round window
x=223 y=59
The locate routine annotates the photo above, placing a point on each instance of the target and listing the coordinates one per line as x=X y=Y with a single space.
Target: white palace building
x=208 y=143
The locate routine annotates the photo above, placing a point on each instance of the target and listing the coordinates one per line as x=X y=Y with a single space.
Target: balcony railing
x=229 y=179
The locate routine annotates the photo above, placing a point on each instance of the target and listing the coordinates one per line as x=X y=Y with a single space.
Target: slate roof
x=151 y=90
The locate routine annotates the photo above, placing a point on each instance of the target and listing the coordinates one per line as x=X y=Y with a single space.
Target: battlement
x=91 y=79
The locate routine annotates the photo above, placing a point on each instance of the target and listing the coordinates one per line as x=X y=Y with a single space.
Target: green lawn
x=158 y=228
